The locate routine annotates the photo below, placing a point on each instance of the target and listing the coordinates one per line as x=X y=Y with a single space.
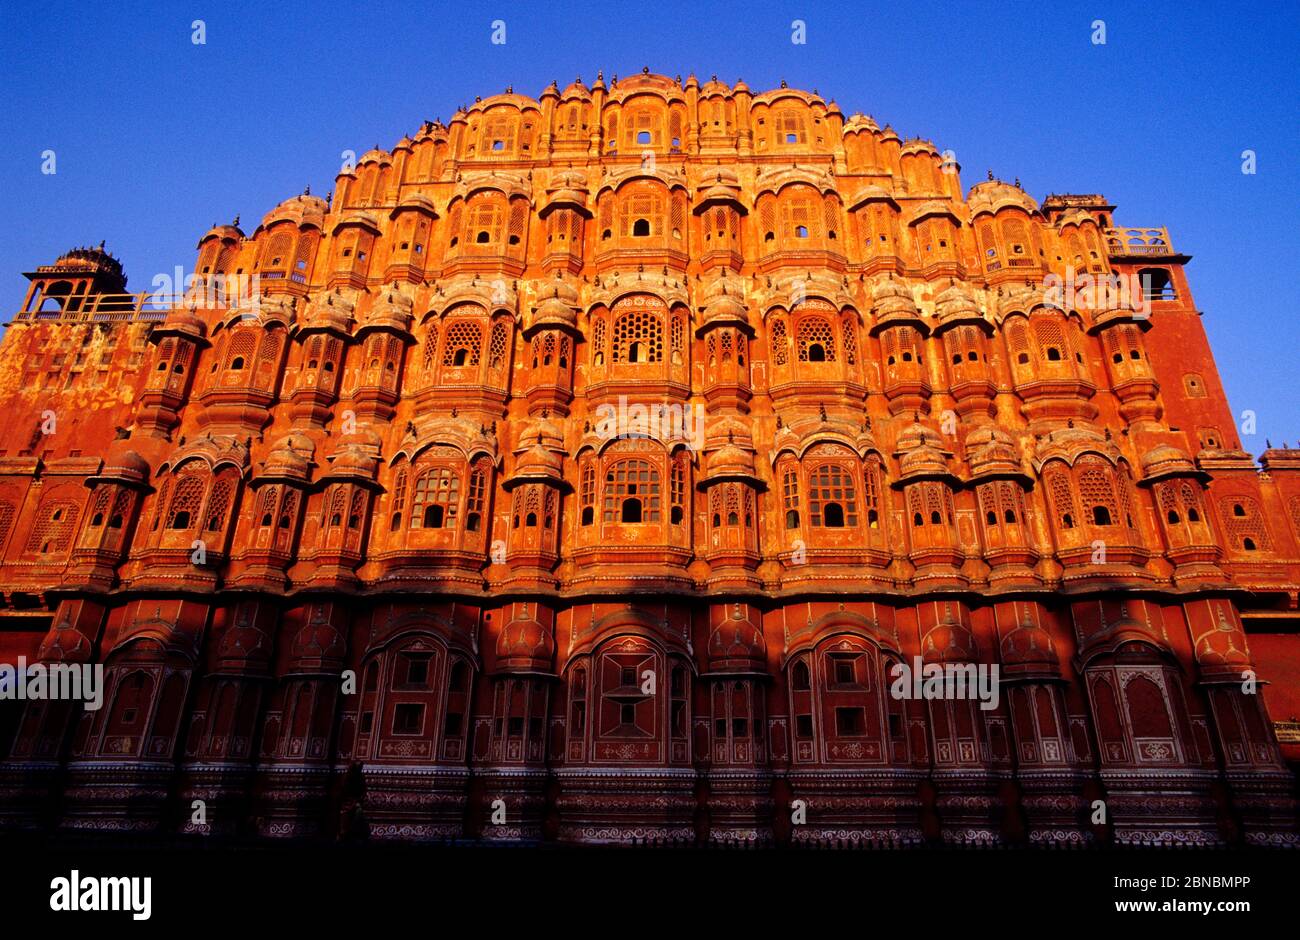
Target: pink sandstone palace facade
x=364 y=552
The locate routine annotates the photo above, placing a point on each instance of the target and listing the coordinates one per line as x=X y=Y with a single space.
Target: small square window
x=417 y=669
x=408 y=718
x=850 y=721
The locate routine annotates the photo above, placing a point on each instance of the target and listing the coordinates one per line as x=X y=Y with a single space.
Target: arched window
x=1156 y=284
x=186 y=503
x=399 y=501
x=816 y=340
x=463 y=344
x=55 y=527
x=1097 y=490
x=1244 y=523
x=790 y=495
x=641 y=206
x=219 y=504
x=632 y=492
x=437 y=499
x=476 y=498
x=779 y=342
x=1057 y=480
x=677 y=489
x=484 y=222
x=638 y=337
x=832 y=498
x=1050 y=336
x=587 y=493
x=790 y=128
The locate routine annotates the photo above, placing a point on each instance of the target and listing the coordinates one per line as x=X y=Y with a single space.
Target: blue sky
x=157 y=138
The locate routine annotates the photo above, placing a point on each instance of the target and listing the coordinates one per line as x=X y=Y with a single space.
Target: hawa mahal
x=363 y=554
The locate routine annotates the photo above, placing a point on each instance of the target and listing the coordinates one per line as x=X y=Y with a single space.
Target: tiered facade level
x=395 y=464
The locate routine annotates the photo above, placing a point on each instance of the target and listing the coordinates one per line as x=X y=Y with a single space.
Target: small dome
x=540 y=453
x=892 y=301
x=720 y=184
x=917 y=145
x=731 y=461
x=243 y=643
x=555 y=312
x=121 y=465
x=567 y=188
x=714 y=88
x=1167 y=460
x=955 y=303
x=349 y=460
x=948 y=641
x=304 y=208
x=332 y=311
x=860 y=122
x=356 y=456
x=1218 y=649
x=724 y=301
x=921 y=452
x=995 y=194
x=290 y=458
x=65 y=644
x=725 y=308
x=918 y=435
x=990 y=449
x=557 y=304
x=95 y=259
x=1022 y=299
x=392 y=309
x=231 y=231
x=539 y=462
x=317 y=644
x=1029 y=645
x=525 y=643
x=182 y=320
x=736 y=642
x=576 y=89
